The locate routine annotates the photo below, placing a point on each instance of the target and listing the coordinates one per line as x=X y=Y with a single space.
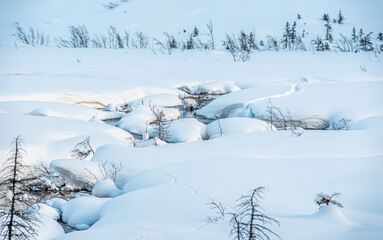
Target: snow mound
x=186 y=130
x=56 y=203
x=44 y=209
x=79 y=173
x=48 y=228
x=105 y=188
x=334 y=217
x=189 y=104
x=136 y=120
x=82 y=212
x=237 y=125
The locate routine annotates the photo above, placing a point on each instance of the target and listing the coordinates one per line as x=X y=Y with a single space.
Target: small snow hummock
x=105 y=188
x=56 y=203
x=82 y=212
x=186 y=130
x=190 y=104
x=136 y=120
x=44 y=209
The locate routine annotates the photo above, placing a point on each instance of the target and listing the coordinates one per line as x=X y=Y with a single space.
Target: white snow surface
x=237 y=125
x=44 y=209
x=56 y=203
x=53 y=109
x=50 y=97
x=49 y=138
x=48 y=228
x=82 y=212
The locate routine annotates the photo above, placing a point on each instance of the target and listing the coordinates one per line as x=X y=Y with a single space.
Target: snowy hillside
x=145 y=112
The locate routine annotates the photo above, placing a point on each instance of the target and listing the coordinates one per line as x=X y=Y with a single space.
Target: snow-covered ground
x=56 y=97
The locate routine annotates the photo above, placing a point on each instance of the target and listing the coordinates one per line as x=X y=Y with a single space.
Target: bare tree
x=82 y=149
x=248 y=220
x=326 y=199
x=15 y=221
x=159 y=120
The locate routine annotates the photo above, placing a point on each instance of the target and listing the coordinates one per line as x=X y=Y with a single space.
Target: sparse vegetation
x=247 y=220
x=159 y=120
x=82 y=149
x=79 y=38
x=327 y=199
x=31 y=36
x=240 y=46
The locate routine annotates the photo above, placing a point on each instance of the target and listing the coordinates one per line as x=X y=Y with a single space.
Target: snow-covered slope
x=153 y=16
x=166 y=189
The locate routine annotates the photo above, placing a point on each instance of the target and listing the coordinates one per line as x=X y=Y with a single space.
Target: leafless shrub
x=82 y=149
x=248 y=221
x=326 y=199
x=342 y=124
x=345 y=44
x=298 y=45
x=15 y=221
x=127 y=39
x=276 y=117
x=159 y=120
x=79 y=38
x=107 y=170
x=110 y=170
x=110 y=5
x=304 y=80
x=238 y=50
x=31 y=37
x=272 y=43
x=297 y=133
x=112 y=39
x=140 y=40
x=168 y=44
x=363 y=68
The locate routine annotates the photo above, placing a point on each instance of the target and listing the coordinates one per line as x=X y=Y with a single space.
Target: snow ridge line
x=294 y=88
